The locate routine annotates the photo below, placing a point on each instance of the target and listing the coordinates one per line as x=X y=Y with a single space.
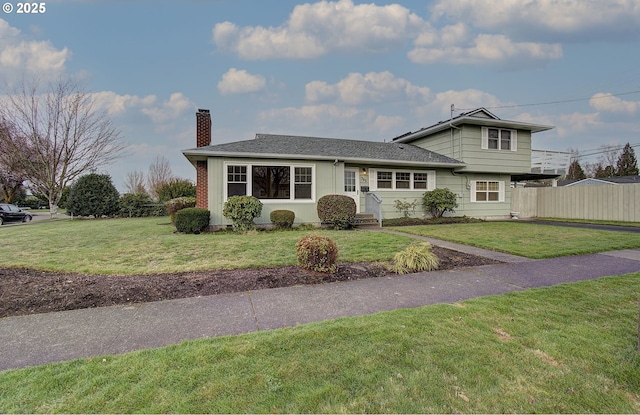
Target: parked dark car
x=12 y=213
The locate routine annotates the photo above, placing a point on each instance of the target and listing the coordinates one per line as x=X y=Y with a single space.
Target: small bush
x=192 y=220
x=403 y=207
x=317 y=253
x=337 y=210
x=177 y=204
x=282 y=219
x=242 y=210
x=439 y=201
x=416 y=258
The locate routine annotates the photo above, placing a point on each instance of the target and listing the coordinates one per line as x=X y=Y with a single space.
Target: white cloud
x=236 y=81
x=495 y=49
x=608 y=103
x=116 y=104
x=19 y=55
x=466 y=99
x=170 y=109
x=544 y=19
x=372 y=87
x=319 y=28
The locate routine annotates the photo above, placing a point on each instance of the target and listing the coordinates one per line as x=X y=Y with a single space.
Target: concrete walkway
x=53 y=337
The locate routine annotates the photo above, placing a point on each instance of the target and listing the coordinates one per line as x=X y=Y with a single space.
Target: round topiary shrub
x=416 y=258
x=174 y=205
x=192 y=220
x=337 y=210
x=317 y=253
x=242 y=210
x=93 y=195
x=282 y=219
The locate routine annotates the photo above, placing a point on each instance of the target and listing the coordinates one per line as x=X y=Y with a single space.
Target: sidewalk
x=53 y=337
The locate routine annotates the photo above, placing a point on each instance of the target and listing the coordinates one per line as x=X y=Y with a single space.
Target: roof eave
x=490 y=122
x=196 y=154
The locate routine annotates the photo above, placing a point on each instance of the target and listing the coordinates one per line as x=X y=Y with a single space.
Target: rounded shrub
x=317 y=253
x=416 y=258
x=177 y=204
x=192 y=220
x=93 y=195
x=337 y=210
x=439 y=201
x=282 y=219
x=242 y=210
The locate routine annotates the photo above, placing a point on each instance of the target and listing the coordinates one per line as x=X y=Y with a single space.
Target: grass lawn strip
x=529 y=240
x=150 y=246
x=563 y=349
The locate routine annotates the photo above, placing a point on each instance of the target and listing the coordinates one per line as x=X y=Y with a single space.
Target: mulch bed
x=28 y=291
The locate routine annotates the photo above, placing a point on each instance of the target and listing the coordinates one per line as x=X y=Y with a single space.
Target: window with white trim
x=236 y=181
x=499 y=139
x=385 y=180
x=487 y=191
x=402 y=180
x=270 y=182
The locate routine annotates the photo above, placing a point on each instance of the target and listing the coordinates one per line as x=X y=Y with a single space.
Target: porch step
x=364 y=219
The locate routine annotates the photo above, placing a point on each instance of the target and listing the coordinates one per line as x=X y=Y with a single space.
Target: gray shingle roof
x=286 y=146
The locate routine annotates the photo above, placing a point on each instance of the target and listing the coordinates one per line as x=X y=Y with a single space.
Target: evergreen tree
x=627 y=164
x=575 y=171
x=93 y=195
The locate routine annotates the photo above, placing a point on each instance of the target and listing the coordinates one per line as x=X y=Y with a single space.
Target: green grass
x=149 y=245
x=563 y=349
x=595 y=222
x=529 y=240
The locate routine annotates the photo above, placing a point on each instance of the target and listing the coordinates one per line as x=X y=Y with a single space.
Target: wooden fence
x=604 y=202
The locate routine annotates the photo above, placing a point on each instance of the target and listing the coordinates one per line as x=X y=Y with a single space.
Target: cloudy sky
x=346 y=69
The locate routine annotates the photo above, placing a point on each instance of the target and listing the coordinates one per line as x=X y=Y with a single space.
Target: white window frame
x=373 y=180
x=485 y=139
x=292 y=181
x=501 y=191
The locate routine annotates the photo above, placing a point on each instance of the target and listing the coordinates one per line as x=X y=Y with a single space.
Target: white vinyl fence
x=605 y=202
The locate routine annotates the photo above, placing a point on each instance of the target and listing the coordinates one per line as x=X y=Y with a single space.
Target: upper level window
x=499 y=139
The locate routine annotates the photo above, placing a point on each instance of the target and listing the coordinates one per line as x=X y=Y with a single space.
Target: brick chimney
x=203 y=138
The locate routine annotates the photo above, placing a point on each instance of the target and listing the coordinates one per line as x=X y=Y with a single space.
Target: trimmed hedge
x=282 y=219
x=337 y=210
x=317 y=253
x=192 y=220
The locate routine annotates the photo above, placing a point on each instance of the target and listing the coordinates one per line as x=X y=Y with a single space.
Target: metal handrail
x=373 y=205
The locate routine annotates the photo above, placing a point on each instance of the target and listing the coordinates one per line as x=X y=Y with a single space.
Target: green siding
x=465 y=144
x=460 y=185
x=328 y=179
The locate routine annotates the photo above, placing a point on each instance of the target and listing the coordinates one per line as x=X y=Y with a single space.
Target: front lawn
x=529 y=240
x=149 y=245
x=563 y=349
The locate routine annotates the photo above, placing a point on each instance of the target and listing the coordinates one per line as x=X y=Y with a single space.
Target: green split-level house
x=476 y=155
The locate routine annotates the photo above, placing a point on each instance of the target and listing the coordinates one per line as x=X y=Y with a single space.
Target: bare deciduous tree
x=59 y=135
x=159 y=174
x=134 y=182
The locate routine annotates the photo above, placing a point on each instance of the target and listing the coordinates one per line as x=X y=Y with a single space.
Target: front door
x=351 y=186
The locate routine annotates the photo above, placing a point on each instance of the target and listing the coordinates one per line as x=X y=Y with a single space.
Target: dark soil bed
x=27 y=291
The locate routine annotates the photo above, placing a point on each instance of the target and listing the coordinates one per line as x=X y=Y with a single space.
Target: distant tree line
x=612 y=163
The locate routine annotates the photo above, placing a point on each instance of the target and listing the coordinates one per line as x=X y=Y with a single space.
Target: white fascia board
x=203 y=154
x=489 y=122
